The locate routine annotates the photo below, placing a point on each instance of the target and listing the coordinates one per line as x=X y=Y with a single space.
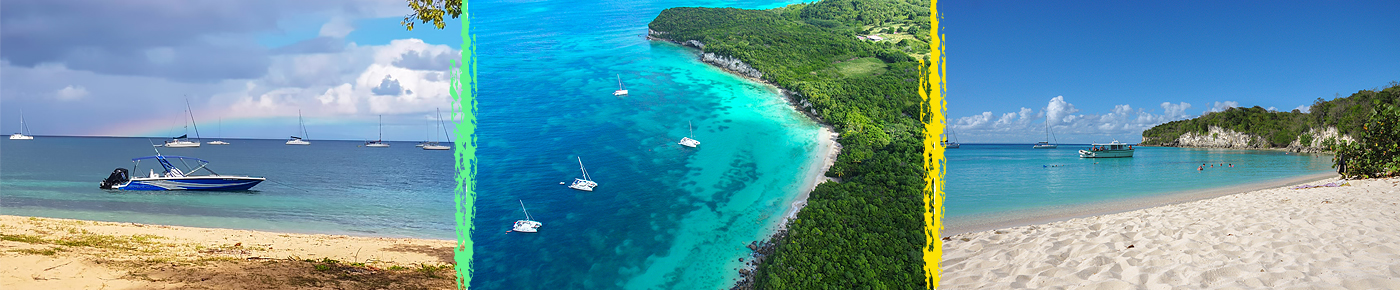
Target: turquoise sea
x=986 y=181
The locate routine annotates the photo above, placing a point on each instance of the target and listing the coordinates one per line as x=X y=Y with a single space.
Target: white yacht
x=297 y=140
x=23 y=129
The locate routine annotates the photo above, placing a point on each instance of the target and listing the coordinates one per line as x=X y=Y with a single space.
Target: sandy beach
x=45 y=253
x=827 y=148
x=1344 y=237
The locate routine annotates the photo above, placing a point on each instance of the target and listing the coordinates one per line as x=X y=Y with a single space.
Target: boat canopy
x=167 y=157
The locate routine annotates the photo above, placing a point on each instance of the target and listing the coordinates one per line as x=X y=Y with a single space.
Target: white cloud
x=1123 y=121
x=1221 y=107
x=1304 y=108
x=344 y=83
x=1058 y=110
x=338 y=27
x=71 y=93
x=1175 y=112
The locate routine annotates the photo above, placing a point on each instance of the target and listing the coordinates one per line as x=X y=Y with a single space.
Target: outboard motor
x=118 y=177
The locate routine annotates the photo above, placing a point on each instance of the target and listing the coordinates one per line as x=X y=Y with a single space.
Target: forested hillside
x=1347 y=114
x=866 y=231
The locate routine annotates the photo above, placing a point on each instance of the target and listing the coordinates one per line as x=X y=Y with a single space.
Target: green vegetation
x=1376 y=152
x=864 y=232
x=1348 y=115
x=22 y=238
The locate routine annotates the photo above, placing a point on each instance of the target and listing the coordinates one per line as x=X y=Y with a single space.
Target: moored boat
x=174 y=178
x=1110 y=150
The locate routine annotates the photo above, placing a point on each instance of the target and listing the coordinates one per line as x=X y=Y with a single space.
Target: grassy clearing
x=865 y=66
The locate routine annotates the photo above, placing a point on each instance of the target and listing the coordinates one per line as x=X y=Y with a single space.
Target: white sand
x=816 y=172
x=1333 y=238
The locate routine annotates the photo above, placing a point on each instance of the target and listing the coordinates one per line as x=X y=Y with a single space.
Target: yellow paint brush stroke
x=931 y=89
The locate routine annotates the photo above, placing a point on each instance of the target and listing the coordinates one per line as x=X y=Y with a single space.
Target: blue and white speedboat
x=174 y=178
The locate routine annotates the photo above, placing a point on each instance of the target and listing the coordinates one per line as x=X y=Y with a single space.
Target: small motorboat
x=174 y=178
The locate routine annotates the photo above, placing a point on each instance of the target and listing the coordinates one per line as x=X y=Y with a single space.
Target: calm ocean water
x=997 y=179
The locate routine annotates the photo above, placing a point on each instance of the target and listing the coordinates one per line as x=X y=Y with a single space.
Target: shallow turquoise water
x=1004 y=179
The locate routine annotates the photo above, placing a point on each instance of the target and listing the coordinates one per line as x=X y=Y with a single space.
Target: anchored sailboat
x=221 y=132
x=954 y=143
x=379 y=143
x=183 y=141
x=687 y=141
x=621 y=90
x=297 y=140
x=586 y=183
x=434 y=145
x=23 y=129
x=527 y=225
x=1046 y=144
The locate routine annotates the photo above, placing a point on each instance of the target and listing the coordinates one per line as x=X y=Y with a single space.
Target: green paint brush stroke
x=464 y=92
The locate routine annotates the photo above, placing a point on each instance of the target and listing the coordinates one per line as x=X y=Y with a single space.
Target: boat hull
x=435 y=147
x=377 y=145
x=951 y=145
x=1106 y=154
x=1045 y=146
x=21 y=137
x=181 y=144
x=218 y=143
x=298 y=142
x=197 y=183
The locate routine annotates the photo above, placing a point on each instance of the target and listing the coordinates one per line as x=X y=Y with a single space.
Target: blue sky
x=1100 y=55
x=116 y=68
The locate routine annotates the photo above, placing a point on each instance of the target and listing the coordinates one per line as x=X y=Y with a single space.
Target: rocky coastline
x=1217 y=137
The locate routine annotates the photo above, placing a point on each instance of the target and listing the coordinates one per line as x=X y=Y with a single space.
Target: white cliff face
x=1319 y=139
x=1218 y=137
x=1221 y=138
x=731 y=64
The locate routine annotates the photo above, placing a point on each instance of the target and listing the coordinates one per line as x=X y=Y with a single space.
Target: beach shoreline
x=828 y=148
x=1279 y=237
x=51 y=253
x=978 y=223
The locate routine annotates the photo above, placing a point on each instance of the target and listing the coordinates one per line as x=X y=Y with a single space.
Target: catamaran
x=434 y=145
x=586 y=183
x=1109 y=150
x=221 y=133
x=183 y=141
x=174 y=178
x=687 y=141
x=297 y=140
x=621 y=90
x=378 y=143
x=23 y=129
x=527 y=225
x=1046 y=144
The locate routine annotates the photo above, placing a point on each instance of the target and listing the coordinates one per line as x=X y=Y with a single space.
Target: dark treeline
x=866 y=231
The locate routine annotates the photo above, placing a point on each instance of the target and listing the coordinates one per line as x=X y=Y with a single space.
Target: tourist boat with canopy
x=1109 y=150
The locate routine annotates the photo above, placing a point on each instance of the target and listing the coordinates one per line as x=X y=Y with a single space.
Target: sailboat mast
x=692 y=128
x=444 y=127
x=196 y=125
x=580 y=168
x=527 y=212
x=381 y=127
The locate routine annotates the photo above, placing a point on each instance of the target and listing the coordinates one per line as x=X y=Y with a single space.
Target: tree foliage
x=1349 y=115
x=864 y=232
x=432 y=11
x=1376 y=153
